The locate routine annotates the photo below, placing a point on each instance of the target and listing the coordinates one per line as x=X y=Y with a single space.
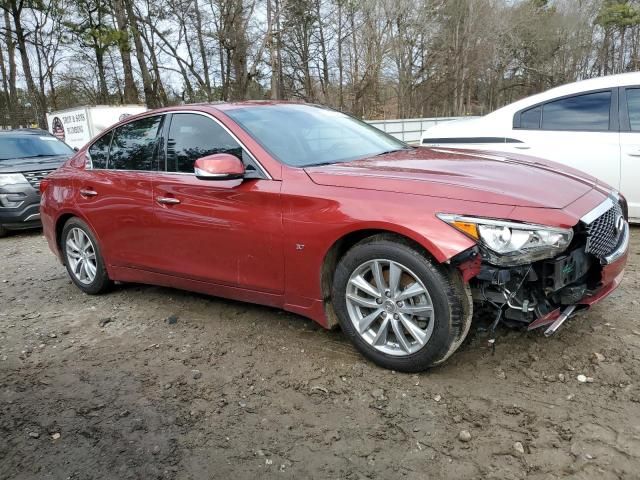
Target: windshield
x=305 y=135
x=29 y=146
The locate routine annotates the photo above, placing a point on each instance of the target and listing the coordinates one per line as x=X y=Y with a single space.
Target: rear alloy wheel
x=82 y=258
x=400 y=309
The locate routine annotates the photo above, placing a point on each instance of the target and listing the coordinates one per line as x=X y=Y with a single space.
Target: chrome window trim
x=126 y=171
x=598 y=211
x=263 y=170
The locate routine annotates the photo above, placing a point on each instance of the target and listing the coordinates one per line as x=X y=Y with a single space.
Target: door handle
x=85 y=192
x=634 y=153
x=522 y=147
x=167 y=200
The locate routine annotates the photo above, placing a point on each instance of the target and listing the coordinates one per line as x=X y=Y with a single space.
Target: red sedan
x=310 y=210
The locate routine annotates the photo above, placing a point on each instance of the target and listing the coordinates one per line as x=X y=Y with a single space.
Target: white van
x=76 y=126
x=592 y=125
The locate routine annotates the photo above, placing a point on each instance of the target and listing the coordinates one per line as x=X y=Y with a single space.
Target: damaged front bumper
x=547 y=292
x=612 y=271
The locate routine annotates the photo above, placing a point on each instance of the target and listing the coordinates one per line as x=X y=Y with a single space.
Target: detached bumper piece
x=566 y=313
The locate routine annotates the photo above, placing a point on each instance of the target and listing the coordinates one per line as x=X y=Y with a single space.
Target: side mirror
x=219 y=166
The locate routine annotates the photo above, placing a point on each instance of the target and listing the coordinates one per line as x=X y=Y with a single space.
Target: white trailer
x=76 y=126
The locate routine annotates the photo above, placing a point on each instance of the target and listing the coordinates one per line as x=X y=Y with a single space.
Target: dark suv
x=26 y=157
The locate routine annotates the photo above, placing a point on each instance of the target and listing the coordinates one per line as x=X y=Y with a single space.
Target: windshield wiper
x=386 y=152
x=45 y=155
x=40 y=155
x=321 y=164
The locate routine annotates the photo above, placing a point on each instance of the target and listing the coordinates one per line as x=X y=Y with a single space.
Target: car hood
x=17 y=165
x=486 y=177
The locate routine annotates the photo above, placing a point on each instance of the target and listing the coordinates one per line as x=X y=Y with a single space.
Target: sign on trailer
x=76 y=126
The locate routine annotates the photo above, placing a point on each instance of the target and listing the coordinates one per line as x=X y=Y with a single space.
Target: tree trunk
x=39 y=100
x=355 y=76
x=5 y=93
x=203 y=52
x=130 y=89
x=340 y=60
x=158 y=87
x=103 y=91
x=275 y=88
x=147 y=83
x=12 y=73
x=323 y=53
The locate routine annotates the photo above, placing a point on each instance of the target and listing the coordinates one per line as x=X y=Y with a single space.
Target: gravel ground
x=149 y=382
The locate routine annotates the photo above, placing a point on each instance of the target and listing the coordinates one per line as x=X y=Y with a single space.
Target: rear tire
x=83 y=258
x=411 y=313
x=3 y=231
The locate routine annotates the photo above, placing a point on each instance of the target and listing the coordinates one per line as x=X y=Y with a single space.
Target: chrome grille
x=602 y=234
x=34 y=177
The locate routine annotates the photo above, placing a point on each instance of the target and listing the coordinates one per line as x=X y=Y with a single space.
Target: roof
x=243 y=103
x=215 y=106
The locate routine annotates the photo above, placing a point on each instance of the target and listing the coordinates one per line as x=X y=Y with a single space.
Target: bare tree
x=372 y=58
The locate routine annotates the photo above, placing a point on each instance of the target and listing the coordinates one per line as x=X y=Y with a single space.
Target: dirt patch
x=148 y=382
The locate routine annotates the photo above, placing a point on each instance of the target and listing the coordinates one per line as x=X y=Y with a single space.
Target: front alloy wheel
x=399 y=308
x=390 y=307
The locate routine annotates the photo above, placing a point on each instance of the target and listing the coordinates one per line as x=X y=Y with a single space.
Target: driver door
x=227 y=232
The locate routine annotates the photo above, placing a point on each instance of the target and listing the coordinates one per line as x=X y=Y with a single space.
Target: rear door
x=225 y=232
x=114 y=192
x=630 y=148
x=577 y=130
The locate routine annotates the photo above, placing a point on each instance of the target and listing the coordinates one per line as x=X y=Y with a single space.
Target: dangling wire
x=492 y=330
x=500 y=308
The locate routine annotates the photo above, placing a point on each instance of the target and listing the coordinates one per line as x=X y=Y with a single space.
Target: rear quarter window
x=530 y=119
x=99 y=151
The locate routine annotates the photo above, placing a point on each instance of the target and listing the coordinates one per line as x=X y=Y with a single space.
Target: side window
x=530 y=119
x=582 y=112
x=99 y=151
x=192 y=136
x=133 y=145
x=633 y=107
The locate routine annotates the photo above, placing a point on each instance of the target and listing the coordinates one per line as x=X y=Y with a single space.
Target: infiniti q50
x=307 y=209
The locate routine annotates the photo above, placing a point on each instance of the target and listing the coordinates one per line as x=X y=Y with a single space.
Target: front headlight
x=510 y=243
x=11 y=179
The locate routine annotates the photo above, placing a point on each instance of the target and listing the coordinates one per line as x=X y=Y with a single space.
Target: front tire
x=400 y=309
x=83 y=258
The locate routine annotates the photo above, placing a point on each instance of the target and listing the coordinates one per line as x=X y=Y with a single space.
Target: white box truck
x=76 y=126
